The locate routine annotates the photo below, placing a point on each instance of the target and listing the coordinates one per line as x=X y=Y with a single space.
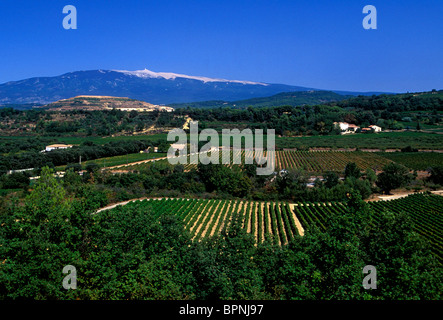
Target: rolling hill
x=281 y=99
x=103 y=103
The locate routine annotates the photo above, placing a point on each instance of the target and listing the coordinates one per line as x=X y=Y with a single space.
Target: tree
x=363 y=187
x=48 y=199
x=76 y=167
x=351 y=170
x=38 y=240
x=15 y=180
x=393 y=176
x=292 y=183
x=436 y=175
x=418 y=126
x=71 y=179
x=92 y=168
x=217 y=177
x=250 y=169
x=370 y=176
x=406 y=268
x=331 y=179
x=409 y=149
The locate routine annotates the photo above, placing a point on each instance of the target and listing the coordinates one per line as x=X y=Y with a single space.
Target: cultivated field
x=415 y=160
x=281 y=221
x=311 y=161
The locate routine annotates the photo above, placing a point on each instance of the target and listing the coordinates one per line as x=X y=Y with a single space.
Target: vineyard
x=281 y=222
x=426 y=212
x=322 y=161
x=311 y=161
x=204 y=218
x=415 y=160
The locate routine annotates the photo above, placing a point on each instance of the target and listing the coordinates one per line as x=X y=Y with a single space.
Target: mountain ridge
x=156 y=88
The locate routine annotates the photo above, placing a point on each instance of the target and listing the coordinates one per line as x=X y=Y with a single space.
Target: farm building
x=346 y=127
x=56 y=147
x=375 y=128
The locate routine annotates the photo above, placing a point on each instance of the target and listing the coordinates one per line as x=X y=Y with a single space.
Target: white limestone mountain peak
x=171 y=76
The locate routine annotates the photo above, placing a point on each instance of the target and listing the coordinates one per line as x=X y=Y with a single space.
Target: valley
x=110 y=169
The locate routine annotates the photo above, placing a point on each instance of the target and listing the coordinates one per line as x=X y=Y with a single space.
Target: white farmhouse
x=56 y=147
x=342 y=125
x=346 y=128
x=375 y=128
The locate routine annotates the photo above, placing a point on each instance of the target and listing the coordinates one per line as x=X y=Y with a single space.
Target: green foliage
x=136 y=256
x=405 y=271
x=37 y=159
x=134 y=252
x=408 y=149
x=393 y=176
x=370 y=176
x=165 y=251
x=363 y=187
x=15 y=180
x=282 y=99
x=436 y=175
x=298 y=114
x=331 y=179
x=415 y=160
x=38 y=240
x=223 y=179
x=76 y=167
x=88 y=122
x=381 y=140
x=352 y=171
x=292 y=181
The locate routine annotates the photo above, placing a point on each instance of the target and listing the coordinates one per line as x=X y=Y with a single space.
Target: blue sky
x=319 y=44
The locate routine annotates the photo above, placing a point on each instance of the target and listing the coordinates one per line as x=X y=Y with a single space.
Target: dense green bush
x=130 y=253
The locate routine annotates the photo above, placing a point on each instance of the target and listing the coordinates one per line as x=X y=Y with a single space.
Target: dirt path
x=269 y=218
x=228 y=216
x=221 y=216
x=112 y=206
x=251 y=212
x=203 y=206
x=300 y=229
x=209 y=222
x=133 y=163
x=139 y=162
x=399 y=195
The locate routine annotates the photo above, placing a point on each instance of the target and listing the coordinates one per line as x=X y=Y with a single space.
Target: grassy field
x=119 y=160
x=382 y=140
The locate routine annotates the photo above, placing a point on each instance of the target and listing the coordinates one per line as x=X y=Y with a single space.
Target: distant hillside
x=298 y=98
x=26 y=106
x=145 y=85
x=430 y=100
x=103 y=103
